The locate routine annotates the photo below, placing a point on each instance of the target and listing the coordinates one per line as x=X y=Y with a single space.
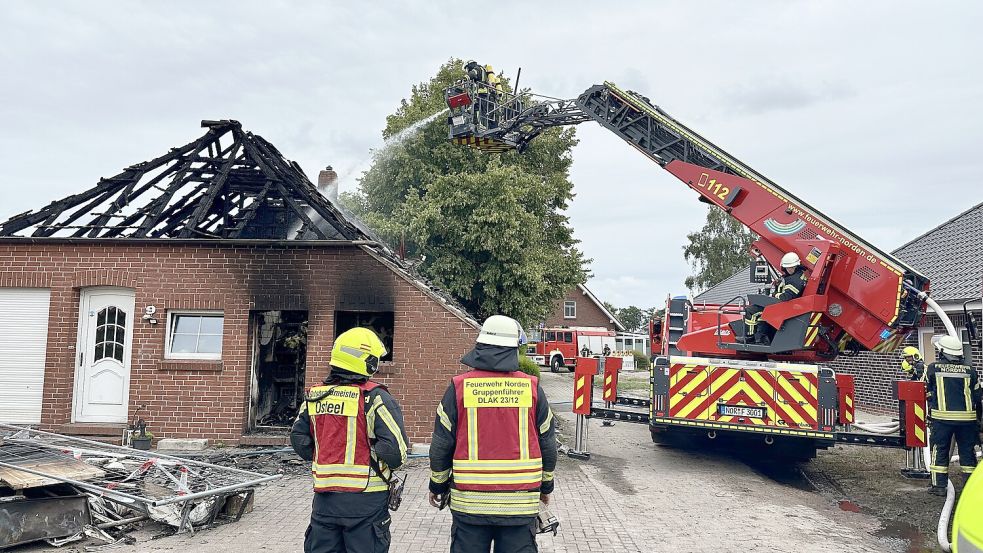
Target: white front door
x=102 y=376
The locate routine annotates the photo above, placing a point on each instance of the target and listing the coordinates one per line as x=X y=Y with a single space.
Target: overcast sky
x=870 y=111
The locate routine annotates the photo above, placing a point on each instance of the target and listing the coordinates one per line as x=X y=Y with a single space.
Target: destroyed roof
x=949 y=255
x=229 y=183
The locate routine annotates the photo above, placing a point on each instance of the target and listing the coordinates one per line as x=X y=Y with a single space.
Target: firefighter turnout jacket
x=791 y=286
x=352 y=432
x=493 y=447
x=951 y=388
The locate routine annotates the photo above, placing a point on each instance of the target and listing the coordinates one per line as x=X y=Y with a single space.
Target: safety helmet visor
x=358 y=351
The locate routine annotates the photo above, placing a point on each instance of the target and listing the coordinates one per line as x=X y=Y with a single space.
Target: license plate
x=741 y=411
x=458 y=120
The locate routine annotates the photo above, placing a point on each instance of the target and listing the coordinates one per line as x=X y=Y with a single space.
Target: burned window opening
x=381 y=322
x=280 y=366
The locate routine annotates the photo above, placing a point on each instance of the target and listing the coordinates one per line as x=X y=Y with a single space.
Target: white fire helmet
x=499 y=330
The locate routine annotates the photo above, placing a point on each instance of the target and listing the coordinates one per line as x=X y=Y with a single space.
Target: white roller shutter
x=23 y=342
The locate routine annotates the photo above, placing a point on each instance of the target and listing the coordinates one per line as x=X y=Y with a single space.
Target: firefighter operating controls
x=856 y=297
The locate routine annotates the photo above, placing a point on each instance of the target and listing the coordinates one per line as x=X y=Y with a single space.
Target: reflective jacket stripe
x=490 y=503
x=443 y=418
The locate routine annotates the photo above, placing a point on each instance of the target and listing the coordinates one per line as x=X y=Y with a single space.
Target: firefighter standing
x=912 y=364
x=351 y=429
x=951 y=385
x=791 y=286
x=493 y=448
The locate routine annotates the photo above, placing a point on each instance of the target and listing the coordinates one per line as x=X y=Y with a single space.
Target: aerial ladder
x=710 y=381
x=857 y=298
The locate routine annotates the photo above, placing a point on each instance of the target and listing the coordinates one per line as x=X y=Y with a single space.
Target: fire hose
x=886 y=427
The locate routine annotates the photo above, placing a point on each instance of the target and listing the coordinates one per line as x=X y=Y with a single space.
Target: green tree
x=653 y=313
x=631 y=317
x=489 y=228
x=717 y=251
x=611 y=308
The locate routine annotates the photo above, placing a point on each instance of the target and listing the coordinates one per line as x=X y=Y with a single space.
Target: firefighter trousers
x=756 y=329
x=479 y=538
x=943 y=432
x=348 y=535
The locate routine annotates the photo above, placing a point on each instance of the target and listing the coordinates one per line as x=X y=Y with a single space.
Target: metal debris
x=126 y=486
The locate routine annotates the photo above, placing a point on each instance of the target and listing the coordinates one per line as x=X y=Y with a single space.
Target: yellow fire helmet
x=967 y=526
x=357 y=351
x=910 y=351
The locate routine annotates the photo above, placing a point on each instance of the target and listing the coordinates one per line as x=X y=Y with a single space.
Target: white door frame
x=81 y=353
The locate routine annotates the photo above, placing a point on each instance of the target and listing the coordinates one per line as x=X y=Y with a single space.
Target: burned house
x=201 y=291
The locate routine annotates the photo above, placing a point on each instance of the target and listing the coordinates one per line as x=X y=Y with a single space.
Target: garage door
x=23 y=341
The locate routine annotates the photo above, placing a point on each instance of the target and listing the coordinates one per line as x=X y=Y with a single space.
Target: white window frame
x=196 y=356
x=569 y=303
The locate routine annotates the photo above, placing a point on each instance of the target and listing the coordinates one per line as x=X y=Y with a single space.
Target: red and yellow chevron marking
x=848 y=408
x=579 y=395
x=797 y=391
x=484 y=144
x=788 y=397
x=609 y=393
x=918 y=426
x=891 y=344
x=687 y=384
x=813 y=331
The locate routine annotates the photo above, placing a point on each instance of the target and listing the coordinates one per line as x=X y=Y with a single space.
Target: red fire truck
x=559 y=347
x=709 y=381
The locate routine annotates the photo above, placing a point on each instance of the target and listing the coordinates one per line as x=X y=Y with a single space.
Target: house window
x=569 y=310
x=194 y=335
x=383 y=323
x=110 y=334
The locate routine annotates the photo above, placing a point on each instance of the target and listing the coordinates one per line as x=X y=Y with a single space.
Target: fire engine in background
x=707 y=383
x=558 y=348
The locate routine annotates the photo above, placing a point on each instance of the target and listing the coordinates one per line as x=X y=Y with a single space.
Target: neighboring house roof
x=950 y=255
x=737 y=284
x=600 y=305
x=242 y=190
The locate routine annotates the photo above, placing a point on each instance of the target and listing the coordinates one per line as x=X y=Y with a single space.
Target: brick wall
x=210 y=399
x=588 y=313
x=875 y=373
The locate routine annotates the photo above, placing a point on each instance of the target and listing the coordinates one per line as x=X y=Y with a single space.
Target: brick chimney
x=327 y=183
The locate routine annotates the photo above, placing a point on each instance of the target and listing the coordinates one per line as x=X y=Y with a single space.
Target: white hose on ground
x=887 y=427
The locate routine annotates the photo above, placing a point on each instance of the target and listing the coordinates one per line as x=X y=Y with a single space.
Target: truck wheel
x=659 y=437
x=555 y=364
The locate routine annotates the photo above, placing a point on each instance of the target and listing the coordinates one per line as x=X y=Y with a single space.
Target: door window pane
x=110 y=333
